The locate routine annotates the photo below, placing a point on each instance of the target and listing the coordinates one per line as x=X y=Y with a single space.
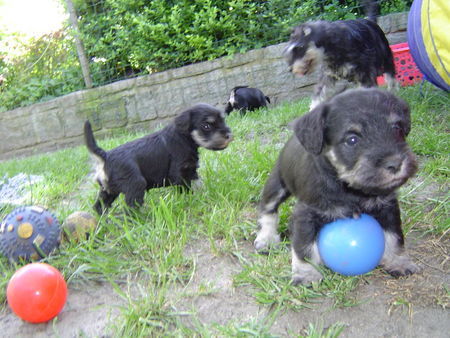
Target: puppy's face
x=206 y=125
x=361 y=133
x=301 y=52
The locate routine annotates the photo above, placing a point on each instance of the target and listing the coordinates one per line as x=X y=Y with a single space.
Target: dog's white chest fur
x=100 y=174
x=232 y=99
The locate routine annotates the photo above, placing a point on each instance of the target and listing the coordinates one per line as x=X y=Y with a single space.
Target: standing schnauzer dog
x=243 y=98
x=347 y=157
x=166 y=157
x=352 y=50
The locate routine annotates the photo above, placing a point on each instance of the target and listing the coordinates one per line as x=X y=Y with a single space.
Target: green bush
x=48 y=68
x=128 y=37
x=141 y=36
x=124 y=38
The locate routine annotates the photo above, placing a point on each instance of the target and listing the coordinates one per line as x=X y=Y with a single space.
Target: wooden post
x=79 y=44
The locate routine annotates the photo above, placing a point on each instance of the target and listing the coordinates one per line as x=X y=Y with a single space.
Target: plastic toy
x=406 y=71
x=352 y=246
x=37 y=292
x=78 y=226
x=429 y=40
x=29 y=233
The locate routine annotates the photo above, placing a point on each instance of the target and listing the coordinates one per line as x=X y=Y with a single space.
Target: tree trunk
x=79 y=44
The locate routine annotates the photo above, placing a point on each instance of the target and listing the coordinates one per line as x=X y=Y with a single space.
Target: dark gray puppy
x=244 y=99
x=352 y=50
x=166 y=157
x=348 y=156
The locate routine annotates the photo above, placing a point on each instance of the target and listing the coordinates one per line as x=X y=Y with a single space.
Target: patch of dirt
x=88 y=312
x=414 y=306
x=213 y=298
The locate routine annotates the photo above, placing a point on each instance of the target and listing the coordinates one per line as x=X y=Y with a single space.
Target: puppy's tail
x=90 y=142
x=371 y=9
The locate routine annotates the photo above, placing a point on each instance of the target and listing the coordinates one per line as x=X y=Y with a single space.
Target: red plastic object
x=406 y=71
x=37 y=292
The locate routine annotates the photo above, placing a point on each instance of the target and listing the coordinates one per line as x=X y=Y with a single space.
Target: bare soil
x=414 y=306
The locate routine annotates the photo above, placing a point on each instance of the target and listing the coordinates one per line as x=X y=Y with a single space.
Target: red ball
x=37 y=292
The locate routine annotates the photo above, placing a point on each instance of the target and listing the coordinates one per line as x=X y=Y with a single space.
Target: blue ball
x=352 y=246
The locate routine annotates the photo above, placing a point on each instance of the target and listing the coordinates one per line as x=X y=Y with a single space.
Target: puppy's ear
x=183 y=121
x=402 y=109
x=397 y=110
x=309 y=129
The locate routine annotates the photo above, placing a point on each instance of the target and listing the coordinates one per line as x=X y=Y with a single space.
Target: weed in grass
x=429 y=210
x=147 y=313
x=270 y=276
x=252 y=328
x=401 y=304
x=318 y=331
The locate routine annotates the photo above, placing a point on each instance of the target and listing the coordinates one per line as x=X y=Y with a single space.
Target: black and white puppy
x=243 y=98
x=352 y=50
x=348 y=156
x=166 y=157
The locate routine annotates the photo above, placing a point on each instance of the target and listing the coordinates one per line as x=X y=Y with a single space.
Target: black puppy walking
x=352 y=50
x=245 y=99
x=347 y=157
x=166 y=157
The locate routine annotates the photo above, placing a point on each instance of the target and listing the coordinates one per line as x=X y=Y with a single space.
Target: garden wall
x=143 y=102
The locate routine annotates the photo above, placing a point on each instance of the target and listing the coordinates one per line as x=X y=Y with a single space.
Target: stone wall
x=142 y=103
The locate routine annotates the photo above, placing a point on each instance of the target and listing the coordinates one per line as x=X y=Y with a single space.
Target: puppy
x=352 y=50
x=243 y=98
x=348 y=156
x=166 y=157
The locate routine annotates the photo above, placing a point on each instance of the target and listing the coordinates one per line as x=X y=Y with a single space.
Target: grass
x=143 y=255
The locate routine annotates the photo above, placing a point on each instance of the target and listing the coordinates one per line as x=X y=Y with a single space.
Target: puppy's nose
x=226 y=132
x=393 y=164
x=229 y=136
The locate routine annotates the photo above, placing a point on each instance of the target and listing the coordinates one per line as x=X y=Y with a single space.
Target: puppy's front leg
x=104 y=201
x=395 y=260
x=274 y=194
x=302 y=271
x=304 y=229
x=183 y=175
x=135 y=191
x=321 y=90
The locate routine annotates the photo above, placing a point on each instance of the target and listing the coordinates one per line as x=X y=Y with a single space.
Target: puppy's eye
x=352 y=140
x=398 y=132
x=205 y=126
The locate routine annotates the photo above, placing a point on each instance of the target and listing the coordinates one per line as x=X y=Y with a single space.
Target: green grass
x=143 y=254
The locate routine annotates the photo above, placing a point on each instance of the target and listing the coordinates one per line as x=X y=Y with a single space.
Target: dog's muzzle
x=228 y=137
x=301 y=67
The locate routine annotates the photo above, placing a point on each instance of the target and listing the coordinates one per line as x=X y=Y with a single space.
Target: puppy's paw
x=306 y=277
x=303 y=272
x=266 y=239
x=197 y=184
x=401 y=266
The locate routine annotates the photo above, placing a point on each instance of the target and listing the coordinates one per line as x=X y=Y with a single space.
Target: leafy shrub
x=124 y=38
x=131 y=37
x=48 y=68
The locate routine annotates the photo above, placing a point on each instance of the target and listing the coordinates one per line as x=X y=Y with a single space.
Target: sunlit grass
x=145 y=249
